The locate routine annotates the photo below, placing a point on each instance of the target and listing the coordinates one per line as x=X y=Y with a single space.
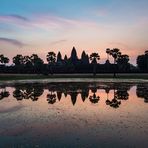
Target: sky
x=40 y=26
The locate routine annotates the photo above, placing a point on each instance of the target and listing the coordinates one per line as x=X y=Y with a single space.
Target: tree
x=27 y=61
x=108 y=50
x=122 y=62
x=115 y=53
x=51 y=58
x=36 y=60
x=4 y=60
x=94 y=57
x=18 y=60
x=142 y=62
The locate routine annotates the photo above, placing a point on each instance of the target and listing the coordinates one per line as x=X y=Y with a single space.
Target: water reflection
x=28 y=92
x=142 y=92
x=86 y=90
x=74 y=115
x=4 y=93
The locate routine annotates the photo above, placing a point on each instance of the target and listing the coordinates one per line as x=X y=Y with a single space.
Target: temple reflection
x=115 y=93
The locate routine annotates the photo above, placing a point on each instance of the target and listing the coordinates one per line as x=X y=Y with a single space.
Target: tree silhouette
x=108 y=50
x=37 y=63
x=115 y=53
x=27 y=62
x=122 y=62
x=36 y=60
x=51 y=58
x=18 y=60
x=142 y=61
x=94 y=57
x=4 y=60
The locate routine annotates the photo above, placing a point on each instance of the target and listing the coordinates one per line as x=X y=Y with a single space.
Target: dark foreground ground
x=4 y=77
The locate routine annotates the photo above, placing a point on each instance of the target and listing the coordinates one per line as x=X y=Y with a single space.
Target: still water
x=75 y=115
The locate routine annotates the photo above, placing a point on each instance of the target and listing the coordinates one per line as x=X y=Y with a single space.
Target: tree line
x=86 y=64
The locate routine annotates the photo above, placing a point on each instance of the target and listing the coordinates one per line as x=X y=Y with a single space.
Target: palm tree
x=94 y=57
x=94 y=99
x=51 y=58
x=108 y=50
x=115 y=53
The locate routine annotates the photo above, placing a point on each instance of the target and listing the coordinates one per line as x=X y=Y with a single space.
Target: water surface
x=74 y=114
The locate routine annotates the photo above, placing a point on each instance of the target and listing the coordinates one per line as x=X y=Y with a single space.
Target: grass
x=5 y=77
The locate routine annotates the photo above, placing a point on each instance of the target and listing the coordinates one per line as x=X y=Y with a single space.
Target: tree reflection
x=122 y=93
x=107 y=89
x=4 y=93
x=18 y=94
x=142 y=92
x=59 y=90
x=51 y=98
x=114 y=102
x=94 y=99
x=28 y=92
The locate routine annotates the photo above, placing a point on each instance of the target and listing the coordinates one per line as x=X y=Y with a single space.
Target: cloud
x=12 y=41
x=47 y=22
x=13 y=17
x=57 y=42
x=119 y=44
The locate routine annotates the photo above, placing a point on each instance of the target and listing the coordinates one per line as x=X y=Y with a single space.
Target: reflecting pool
x=74 y=114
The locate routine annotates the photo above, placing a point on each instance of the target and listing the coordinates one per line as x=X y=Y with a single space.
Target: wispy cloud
x=13 y=17
x=46 y=22
x=12 y=41
x=119 y=44
x=58 y=42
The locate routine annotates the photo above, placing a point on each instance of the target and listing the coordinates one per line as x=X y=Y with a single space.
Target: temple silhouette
x=85 y=64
